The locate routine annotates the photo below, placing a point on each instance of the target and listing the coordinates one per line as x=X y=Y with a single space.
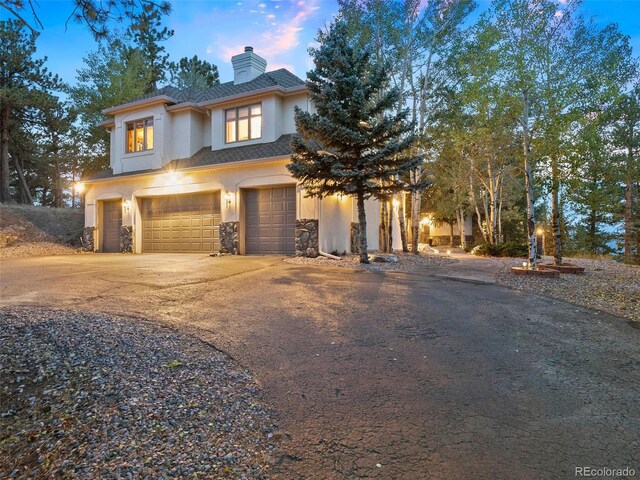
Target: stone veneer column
x=307 y=237
x=229 y=237
x=126 y=239
x=88 y=235
x=355 y=237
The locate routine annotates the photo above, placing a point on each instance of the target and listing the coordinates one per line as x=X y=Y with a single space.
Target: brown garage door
x=181 y=223
x=270 y=220
x=111 y=224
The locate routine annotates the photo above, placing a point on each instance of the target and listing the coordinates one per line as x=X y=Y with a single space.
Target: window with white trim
x=243 y=123
x=139 y=135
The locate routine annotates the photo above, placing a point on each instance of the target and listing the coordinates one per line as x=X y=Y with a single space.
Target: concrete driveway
x=384 y=375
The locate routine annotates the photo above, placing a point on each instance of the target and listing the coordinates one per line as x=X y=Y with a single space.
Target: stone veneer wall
x=126 y=239
x=229 y=237
x=306 y=238
x=88 y=236
x=355 y=238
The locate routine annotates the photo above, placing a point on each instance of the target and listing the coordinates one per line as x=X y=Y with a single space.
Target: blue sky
x=279 y=30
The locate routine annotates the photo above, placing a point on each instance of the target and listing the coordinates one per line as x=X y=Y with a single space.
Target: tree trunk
x=460 y=219
x=383 y=226
x=362 y=220
x=500 y=239
x=23 y=182
x=5 y=195
x=416 y=200
x=528 y=176
x=477 y=209
x=451 y=234
x=628 y=202
x=555 y=212
x=390 y=227
x=403 y=226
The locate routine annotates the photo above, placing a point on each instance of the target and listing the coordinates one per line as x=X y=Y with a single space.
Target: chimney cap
x=248 y=49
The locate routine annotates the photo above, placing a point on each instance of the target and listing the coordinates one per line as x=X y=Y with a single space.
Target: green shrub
x=509 y=249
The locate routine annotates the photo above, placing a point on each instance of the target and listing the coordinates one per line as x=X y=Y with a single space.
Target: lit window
x=140 y=135
x=243 y=123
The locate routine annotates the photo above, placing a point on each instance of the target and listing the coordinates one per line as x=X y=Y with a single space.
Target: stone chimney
x=247 y=66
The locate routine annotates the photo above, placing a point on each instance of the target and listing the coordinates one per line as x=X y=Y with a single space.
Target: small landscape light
x=449 y=253
x=524 y=264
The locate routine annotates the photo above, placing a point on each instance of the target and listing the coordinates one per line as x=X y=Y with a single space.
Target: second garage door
x=270 y=220
x=181 y=223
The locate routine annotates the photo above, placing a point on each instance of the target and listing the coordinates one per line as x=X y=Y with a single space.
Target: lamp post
x=540 y=239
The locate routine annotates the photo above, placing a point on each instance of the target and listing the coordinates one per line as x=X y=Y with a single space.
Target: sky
x=281 y=31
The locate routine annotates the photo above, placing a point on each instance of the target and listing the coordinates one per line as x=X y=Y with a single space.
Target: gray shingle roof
x=205 y=156
x=281 y=77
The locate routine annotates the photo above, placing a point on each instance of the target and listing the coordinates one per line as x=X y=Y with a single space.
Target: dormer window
x=243 y=123
x=140 y=135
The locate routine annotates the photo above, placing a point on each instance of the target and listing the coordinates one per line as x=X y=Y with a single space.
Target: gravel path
x=97 y=396
x=606 y=285
x=408 y=262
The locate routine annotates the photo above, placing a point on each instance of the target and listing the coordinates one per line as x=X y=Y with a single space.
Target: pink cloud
x=278 y=40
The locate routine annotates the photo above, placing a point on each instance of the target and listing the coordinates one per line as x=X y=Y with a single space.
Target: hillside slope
x=28 y=230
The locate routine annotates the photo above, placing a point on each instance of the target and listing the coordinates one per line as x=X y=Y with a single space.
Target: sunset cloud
x=277 y=39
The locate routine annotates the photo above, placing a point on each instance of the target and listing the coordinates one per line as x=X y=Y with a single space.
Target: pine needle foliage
x=356 y=142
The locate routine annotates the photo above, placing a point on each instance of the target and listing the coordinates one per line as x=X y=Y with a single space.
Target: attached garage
x=270 y=220
x=181 y=223
x=111 y=225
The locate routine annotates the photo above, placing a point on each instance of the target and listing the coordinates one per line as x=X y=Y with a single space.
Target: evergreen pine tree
x=351 y=145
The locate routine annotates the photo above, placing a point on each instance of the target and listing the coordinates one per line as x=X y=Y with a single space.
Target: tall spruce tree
x=193 y=73
x=352 y=145
x=24 y=83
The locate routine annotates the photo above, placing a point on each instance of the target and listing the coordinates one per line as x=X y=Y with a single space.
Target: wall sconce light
x=126 y=205
x=78 y=187
x=228 y=197
x=340 y=197
x=172 y=178
x=395 y=203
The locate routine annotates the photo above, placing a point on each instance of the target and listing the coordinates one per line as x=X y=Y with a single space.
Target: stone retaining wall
x=229 y=237
x=307 y=237
x=88 y=236
x=126 y=239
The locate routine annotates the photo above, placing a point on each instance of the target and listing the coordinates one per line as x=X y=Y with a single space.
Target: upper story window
x=243 y=123
x=140 y=135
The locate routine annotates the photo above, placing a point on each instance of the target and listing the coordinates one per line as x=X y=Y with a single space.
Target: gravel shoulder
x=606 y=285
x=99 y=396
x=407 y=262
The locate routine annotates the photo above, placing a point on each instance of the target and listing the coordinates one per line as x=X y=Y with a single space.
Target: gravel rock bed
x=408 y=262
x=36 y=249
x=96 y=396
x=606 y=285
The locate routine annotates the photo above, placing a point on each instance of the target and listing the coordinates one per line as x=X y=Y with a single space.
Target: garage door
x=270 y=220
x=111 y=224
x=181 y=223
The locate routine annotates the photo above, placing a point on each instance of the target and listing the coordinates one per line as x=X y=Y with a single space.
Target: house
x=205 y=171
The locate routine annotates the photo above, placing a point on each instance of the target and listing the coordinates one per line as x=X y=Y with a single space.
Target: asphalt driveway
x=384 y=375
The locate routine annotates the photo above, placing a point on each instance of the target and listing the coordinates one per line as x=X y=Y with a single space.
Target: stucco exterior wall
x=122 y=162
x=334 y=215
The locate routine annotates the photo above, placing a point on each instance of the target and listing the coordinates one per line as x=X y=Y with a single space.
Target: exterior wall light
x=172 y=178
x=228 y=197
x=126 y=205
x=78 y=187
